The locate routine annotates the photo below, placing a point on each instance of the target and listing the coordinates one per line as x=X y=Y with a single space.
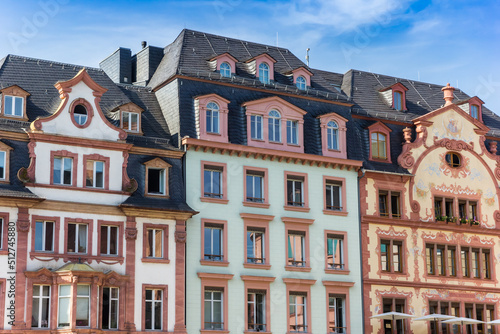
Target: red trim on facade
x=64 y=154
x=201 y=103
x=164 y=258
x=130 y=239
x=180 y=277
x=345 y=249
x=118 y=257
x=76 y=256
x=164 y=288
x=56 y=221
x=265 y=204
x=224 y=227
x=209 y=280
x=5 y=232
x=258 y=283
x=380 y=127
x=88 y=107
x=23 y=227
x=223 y=167
x=341 y=135
x=96 y=157
x=261 y=222
x=339 y=288
x=301 y=286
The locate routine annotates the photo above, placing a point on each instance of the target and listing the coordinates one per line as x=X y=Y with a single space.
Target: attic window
x=264 y=73
x=130 y=121
x=474 y=111
x=80 y=114
x=301 y=82
x=398 y=101
x=13 y=102
x=225 y=70
x=13 y=106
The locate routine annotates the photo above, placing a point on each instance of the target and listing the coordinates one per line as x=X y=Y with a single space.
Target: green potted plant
x=464 y=221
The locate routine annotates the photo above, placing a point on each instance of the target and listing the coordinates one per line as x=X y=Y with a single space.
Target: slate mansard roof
x=38 y=77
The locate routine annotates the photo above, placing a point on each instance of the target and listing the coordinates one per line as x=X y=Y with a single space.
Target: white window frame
x=210 y=191
x=80 y=119
x=292 y=130
x=273 y=122
x=44 y=231
x=221 y=241
x=295 y=304
x=60 y=296
x=252 y=231
x=292 y=246
x=41 y=298
x=94 y=174
x=301 y=82
x=264 y=70
x=162 y=181
x=333 y=135
x=251 y=186
x=129 y=115
x=78 y=296
x=254 y=305
x=212 y=117
x=341 y=265
x=212 y=302
x=14 y=101
x=398 y=100
x=225 y=70
x=63 y=162
x=294 y=188
x=117 y=299
x=77 y=239
x=332 y=185
x=474 y=111
x=3 y=164
x=153 y=302
x=256 y=125
x=336 y=311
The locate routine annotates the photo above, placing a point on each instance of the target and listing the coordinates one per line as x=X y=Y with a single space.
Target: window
x=155 y=243
x=130 y=121
x=44 y=236
x=333 y=195
x=475 y=262
x=94 y=176
x=213 y=242
x=453 y=159
x=157 y=177
x=441 y=260
x=389 y=204
x=154 y=309
x=80 y=114
x=264 y=73
x=109 y=240
x=297 y=314
x=467 y=209
x=65 y=307
x=255 y=186
x=394 y=305
x=336 y=314
x=296 y=249
x=474 y=111
x=4 y=162
x=295 y=191
x=292 y=132
x=335 y=252
x=76 y=241
x=225 y=70
x=446 y=308
x=333 y=135
x=3 y=234
x=110 y=304
x=301 y=82
x=82 y=305
x=63 y=171
x=256 y=307
x=391 y=256
x=255 y=246
x=214 y=318
x=212 y=119
x=213 y=183
x=274 y=126
x=256 y=127
x=40 y=309
x=14 y=106
x=398 y=101
x=378 y=146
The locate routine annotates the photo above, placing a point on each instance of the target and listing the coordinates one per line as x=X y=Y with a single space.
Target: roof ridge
x=54 y=62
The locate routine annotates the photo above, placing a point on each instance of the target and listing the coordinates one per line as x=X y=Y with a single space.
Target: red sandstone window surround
x=96 y=171
x=335 y=200
x=392 y=256
x=333 y=135
x=157 y=178
x=214 y=182
x=78 y=237
x=296 y=192
x=44 y=236
x=211 y=113
x=336 y=257
x=81 y=113
x=13 y=104
x=110 y=239
x=215 y=319
x=63 y=168
x=155 y=243
x=297 y=243
x=380 y=146
x=256 y=245
x=4 y=232
x=298 y=306
x=4 y=162
x=257 y=303
x=214 y=242
x=337 y=306
x=155 y=299
x=255 y=187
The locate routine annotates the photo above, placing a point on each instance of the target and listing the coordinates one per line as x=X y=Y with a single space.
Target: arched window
x=264 y=73
x=333 y=135
x=378 y=143
x=453 y=159
x=398 y=101
x=300 y=82
x=274 y=126
x=225 y=70
x=212 y=117
x=80 y=114
x=474 y=111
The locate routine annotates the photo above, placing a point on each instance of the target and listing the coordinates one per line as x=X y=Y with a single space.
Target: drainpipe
x=361 y=253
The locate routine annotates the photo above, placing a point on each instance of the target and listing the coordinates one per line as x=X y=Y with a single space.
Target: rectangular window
x=475 y=262
x=394 y=305
x=2 y=233
x=40 y=311
x=449 y=207
x=156 y=181
x=255 y=246
x=292 y=132
x=336 y=314
x=335 y=252
x=13 y=106
x=76 y=241
x=382 y=204
x=83 y=305
x=212 y=120
x=94 y=174
x=130 y=121
x=389 y=204
x=64 y=310
x=390 y=256
x=256 y=127
x=109 y=240
x=486 y=264
x=44 y=236
x=110 y=306
x=256 y=309
x=255 y=186
x=464 y=256
x=213 y=315
x=297 y=317
x=295 y=190
x=333 y=195
x=3 y=163
x=213 y=241
x=154 y=309
x=296 y=249
x=438 y=208
x=154 y=243
x=212 y=178
x=63 y=171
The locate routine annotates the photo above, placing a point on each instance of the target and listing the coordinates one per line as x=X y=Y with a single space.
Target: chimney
x=143 y=44
x=448 y=94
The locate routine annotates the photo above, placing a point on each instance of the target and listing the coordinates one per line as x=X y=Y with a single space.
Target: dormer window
x=398 y=101
x=80 y=114
x=256 y=127
x=333 y=135
x=379 y=142
x=157 y=177
x=130 y=121
x=13 y=103
x=4 y=163
x=264 y=73
x=395 y=96
x=292 y=132
x=212 y=117
x=301 y=82
x=225 y=70
x=474 y=111
x=274 y=126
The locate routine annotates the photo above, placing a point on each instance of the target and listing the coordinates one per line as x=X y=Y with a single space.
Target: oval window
x=80 y=114
x=453 y=159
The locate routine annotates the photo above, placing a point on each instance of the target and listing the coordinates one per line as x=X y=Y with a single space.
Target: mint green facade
x=278 y=256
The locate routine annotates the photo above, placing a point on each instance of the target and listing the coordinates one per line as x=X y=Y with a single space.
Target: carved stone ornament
x=23 y=226
x=454 y=145
x=496 y=215
x=130 y=233
x=415 y=206
x=112 y=281
x=180 y=237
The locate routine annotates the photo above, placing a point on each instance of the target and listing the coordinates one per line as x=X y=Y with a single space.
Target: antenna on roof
x=307 y=56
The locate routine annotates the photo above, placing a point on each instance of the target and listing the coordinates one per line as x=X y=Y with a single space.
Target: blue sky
x=437 y=41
